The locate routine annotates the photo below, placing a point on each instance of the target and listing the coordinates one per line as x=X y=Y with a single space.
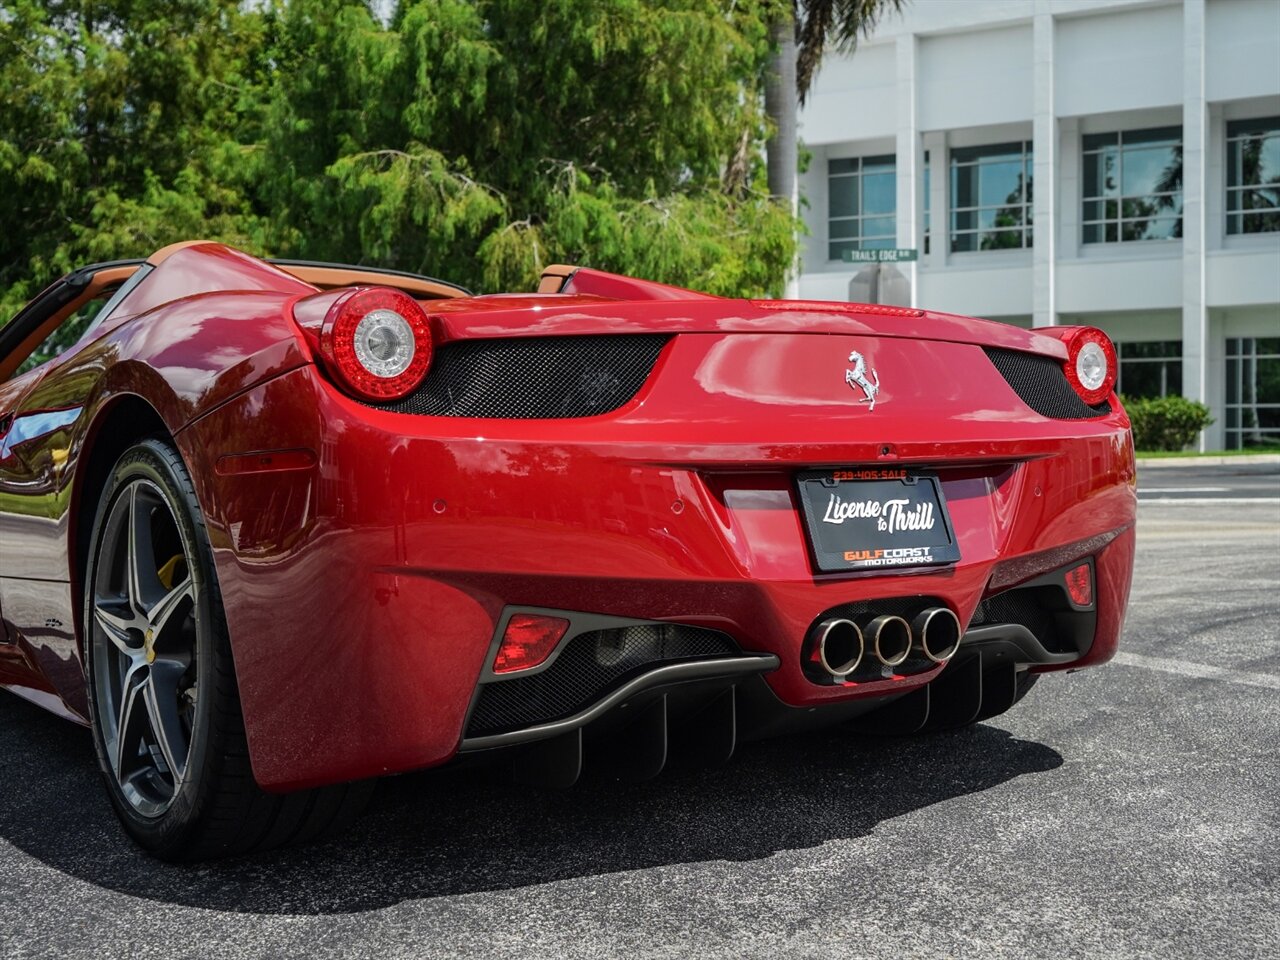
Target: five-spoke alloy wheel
x=163 y=700
x=146 y=624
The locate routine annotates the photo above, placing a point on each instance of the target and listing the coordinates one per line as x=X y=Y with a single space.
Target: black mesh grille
x=1025 y=607
x=1042 y=385
x=534 y=377
x=904 y=607
x=590 y=666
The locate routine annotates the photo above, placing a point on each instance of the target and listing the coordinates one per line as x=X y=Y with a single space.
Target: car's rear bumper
x=363 y=589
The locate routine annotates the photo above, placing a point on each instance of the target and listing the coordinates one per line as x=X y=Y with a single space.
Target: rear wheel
x=163 y=701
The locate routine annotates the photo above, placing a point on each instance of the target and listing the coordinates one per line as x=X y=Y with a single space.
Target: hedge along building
x=1105 y=162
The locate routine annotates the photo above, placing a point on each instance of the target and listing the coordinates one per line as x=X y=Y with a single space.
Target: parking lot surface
x=1229 y=480
x=1130 y=811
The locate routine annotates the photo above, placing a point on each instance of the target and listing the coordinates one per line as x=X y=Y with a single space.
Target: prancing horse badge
x=858 y=378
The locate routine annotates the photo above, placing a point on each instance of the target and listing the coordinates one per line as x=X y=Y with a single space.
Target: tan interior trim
x=327 y=278
x=554 y=277
x=110 y=277
x=164 y=253
x=323 y=277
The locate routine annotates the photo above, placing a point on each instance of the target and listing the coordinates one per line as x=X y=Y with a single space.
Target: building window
x=1253 y=176
x=862 y=200
x=1150 y=369
x=1133 y=185
x=1253 y=392
x=926 y=201
x=991 y=197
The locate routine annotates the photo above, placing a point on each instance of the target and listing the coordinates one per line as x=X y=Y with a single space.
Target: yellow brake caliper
x=167 y=572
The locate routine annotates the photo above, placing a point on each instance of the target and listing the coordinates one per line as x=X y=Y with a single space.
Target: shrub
x=1166 y=423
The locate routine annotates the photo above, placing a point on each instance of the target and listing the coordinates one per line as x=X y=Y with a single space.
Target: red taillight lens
x=1091 y=365
x=528 y=641
x=378 y=343
x=1080 y=585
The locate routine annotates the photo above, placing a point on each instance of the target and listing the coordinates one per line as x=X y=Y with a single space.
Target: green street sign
x=900 y=255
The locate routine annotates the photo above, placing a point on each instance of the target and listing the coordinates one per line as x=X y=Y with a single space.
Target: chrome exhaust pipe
x=889 y=639
x=937 y=634
x=838 y=643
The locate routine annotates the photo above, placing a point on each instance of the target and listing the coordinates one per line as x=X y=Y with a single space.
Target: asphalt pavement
x=1131 y=810
x=1229 y=480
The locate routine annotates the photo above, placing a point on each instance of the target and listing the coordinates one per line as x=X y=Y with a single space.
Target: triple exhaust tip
x=840 y=647
x=933 y=634
x=890 y=639
x=937 y=631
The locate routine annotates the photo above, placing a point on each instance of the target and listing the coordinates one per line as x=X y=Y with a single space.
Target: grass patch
x=1193 y=454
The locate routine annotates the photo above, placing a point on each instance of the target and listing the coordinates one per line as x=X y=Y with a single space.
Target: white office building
x=1106 y=162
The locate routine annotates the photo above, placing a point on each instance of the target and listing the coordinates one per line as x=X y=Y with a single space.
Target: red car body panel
x=363 y=580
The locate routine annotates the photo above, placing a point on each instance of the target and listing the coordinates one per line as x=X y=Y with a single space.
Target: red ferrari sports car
x=275 y=529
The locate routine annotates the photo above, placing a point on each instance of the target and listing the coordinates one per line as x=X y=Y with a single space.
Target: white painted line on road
x=1186 y=490
x=1201 y=671
x=1203 y=500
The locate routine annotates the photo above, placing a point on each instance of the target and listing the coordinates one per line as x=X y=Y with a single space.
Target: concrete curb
x=1159 y=462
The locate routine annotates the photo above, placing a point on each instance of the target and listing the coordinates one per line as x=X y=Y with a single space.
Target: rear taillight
x=1079 y=581
x=1091 y=365
x=528 y=641
x=377 y=343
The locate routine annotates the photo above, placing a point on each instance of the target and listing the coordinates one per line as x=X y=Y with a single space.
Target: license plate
x=868 y=518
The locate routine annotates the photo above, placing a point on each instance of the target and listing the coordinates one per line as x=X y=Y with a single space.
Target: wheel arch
x=120 y=423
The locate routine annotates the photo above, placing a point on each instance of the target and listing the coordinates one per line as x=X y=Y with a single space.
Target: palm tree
x=800 y=34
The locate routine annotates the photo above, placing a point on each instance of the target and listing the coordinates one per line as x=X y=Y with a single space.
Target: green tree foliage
x=117 y=130
x=477 y=140
x=1165 y=423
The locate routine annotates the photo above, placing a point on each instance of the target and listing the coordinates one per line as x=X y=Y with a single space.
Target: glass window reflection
x=862 y=201
x=1150 y=369
x=1132 y=185
x=1253 y=176
x=1253 y=392
x=991 y=197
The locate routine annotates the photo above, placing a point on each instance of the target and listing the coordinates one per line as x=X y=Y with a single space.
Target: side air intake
x=534 y=378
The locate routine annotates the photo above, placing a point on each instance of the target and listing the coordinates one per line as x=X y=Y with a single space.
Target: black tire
x=161 y=680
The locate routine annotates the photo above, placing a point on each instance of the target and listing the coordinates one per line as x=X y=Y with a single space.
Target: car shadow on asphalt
x=459 y=831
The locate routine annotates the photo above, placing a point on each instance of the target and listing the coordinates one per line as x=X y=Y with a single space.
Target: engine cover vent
x=534 y=378
x=1042 y=385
